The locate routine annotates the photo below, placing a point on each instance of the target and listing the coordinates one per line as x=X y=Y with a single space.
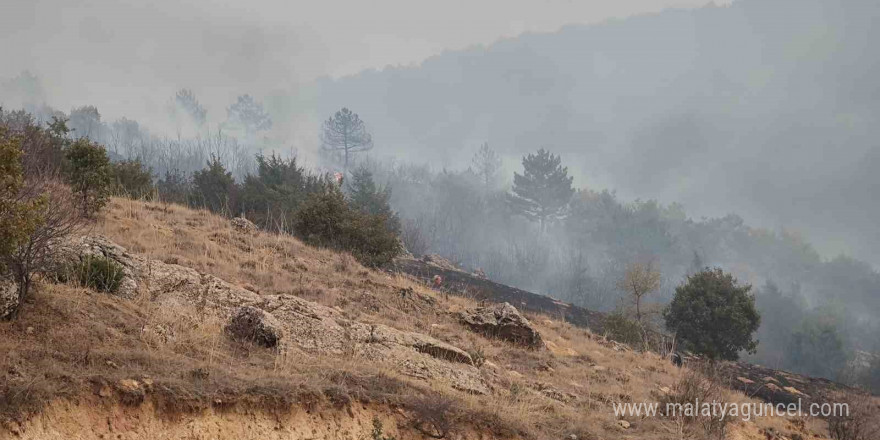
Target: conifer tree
x=486 y=164
x=544 y=189
x=369 y=198
x=345 y=132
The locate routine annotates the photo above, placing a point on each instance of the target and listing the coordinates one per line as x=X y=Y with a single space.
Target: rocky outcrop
x=306 y=326
x=82 y=248
x=243 y=226
x=503 y=321
x=255 y=325
x=8 y=297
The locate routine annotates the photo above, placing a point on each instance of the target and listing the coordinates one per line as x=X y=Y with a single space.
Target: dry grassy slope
x=72 y=347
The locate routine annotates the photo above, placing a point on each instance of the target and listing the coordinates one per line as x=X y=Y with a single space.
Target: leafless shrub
x=857 y=420
x=413 y=238
x=704 y=385
x=434 y=415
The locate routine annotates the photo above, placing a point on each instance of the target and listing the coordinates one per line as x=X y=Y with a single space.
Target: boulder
x=8 y=298
x=252 y=324
x=503 y=321
x=243 y=225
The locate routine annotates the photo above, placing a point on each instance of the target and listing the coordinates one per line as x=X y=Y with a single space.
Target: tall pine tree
x=346 y=132
x=543 y=190
x=486 y=164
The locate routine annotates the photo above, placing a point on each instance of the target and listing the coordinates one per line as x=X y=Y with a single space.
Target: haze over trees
x=185 y=100
x=486 y=163
x=248 y=114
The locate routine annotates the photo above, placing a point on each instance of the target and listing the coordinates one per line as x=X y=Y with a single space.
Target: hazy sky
x=123 y=55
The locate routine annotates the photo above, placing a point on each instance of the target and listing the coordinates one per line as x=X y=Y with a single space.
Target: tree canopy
x=346 y=132
x=248 y=113
x=713 y=315
x=544 y=188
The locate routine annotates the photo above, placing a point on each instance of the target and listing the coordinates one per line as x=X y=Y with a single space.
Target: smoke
x=762 y=108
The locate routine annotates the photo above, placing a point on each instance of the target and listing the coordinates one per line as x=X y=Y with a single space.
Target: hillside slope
x=358 y=346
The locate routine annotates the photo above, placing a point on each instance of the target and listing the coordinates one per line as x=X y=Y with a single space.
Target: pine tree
x=544 y=189
x=345 y=132
x=486 y=164
x=186 y=100
x=248 y=113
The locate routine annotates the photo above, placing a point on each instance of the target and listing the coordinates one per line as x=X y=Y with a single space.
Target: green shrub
x=271 y=196
x=713 y=315
x=215 y=189
x=622 y=329
x=175 y=187
x=378 y=431
x=131 y=178
x=326 y=219
x=89 y=174
x=99 y=273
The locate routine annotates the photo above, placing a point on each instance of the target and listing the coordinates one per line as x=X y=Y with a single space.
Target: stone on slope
x=255 y=325
x=243 y=226
x=503 y=321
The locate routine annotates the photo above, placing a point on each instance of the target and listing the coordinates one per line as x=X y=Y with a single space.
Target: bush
x=369 y=198
x=622 y=329
x=131 y=179
x=378 y=431
x=23 y=210
x=857 y=422
x=14 y=215
x=215 y=188
x=175 y=187
x=713 y=315
x=435 y=415
x=326 y=219
x=696 y=387
x=270 y=197
x=99 y=273
x=89 y=175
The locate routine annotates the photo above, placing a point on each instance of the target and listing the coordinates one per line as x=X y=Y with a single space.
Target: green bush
x=326 y=219
x=713 y=315
x=21 y=214
x=89 y=174
x=215 y=189
x=99 y=273
x=271 y=196
x=131 y=179
x=175 y=187
x=622 y=329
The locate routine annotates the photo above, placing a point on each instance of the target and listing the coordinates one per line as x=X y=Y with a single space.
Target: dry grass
x=81 y=341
